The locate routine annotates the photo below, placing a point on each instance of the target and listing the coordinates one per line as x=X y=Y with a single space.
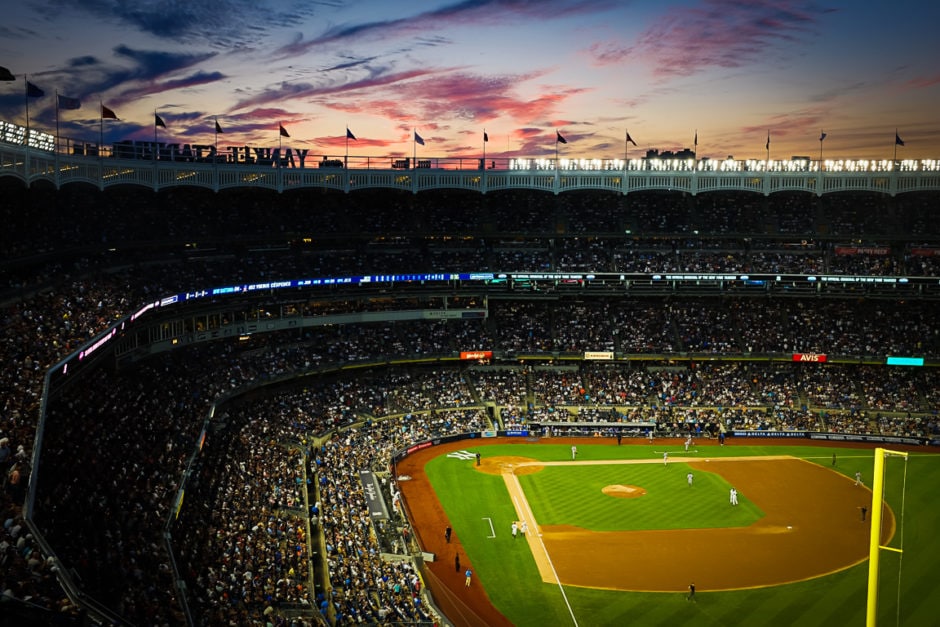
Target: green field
x=558 y=496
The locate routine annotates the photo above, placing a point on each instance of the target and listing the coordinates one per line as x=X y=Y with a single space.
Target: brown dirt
x=805 y=533
x=498 y=465
x=623 y=491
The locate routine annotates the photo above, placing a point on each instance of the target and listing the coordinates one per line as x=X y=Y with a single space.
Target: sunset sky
x=732 y=71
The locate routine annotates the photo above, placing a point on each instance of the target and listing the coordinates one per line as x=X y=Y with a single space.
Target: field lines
x=534 y=537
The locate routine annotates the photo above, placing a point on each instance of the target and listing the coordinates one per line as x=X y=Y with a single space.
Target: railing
x=284 y=170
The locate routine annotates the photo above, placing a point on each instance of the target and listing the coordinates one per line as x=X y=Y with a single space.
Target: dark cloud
x=349 y=64
x=464 y=13
x=307 y=90
x=215 y=23
x=17 y=32
x=84 y=61
x=152 y=63
x=193 y=80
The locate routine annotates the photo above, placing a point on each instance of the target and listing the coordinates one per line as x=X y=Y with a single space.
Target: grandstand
x=197 y=378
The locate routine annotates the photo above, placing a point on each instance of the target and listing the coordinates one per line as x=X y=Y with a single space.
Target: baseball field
x=616 y=534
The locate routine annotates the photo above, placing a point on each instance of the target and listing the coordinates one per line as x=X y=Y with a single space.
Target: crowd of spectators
x=118 y=440
x=402 y=232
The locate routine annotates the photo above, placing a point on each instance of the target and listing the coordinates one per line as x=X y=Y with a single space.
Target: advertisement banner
x=768 y=434
x=859 y=437
x=810 y=357
x=476 y=355
x=599 y=355
x=862 y=250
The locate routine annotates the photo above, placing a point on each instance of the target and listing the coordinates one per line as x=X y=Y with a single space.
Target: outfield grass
x=508 y=571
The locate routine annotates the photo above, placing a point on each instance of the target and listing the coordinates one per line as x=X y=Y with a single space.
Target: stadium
x=248 y=394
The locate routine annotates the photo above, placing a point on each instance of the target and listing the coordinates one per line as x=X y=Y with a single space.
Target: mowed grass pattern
x=511 y=578
x=573 y=495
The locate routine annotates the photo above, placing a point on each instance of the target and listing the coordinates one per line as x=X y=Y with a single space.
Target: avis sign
x=810 y=357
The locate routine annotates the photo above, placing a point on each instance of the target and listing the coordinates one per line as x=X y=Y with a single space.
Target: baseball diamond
x=809 y=528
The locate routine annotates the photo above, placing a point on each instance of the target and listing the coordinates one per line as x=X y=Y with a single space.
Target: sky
x=727 y=73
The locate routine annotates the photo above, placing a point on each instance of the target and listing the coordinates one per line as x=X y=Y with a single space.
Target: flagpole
x=346 y=159
x=484 y=149
x=56 y=158
x=100 y=127
x=822 y=136
x=768 y=147
x=57 y=125
x=215 y=154
x=695 y=146
x=896 y=144
x=626 y=147
x=56 y=155
x=26 y=143
x=414 y=147
x=26 y=87
x=154 y=135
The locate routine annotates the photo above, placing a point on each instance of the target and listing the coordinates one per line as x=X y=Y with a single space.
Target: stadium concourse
x=274 y=526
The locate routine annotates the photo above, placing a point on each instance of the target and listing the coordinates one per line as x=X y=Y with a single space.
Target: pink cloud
x=719 y=33
x=453 y=95
x=923 y=81
x=807 y=122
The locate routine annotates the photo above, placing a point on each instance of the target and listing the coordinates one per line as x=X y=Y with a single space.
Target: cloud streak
x=464 y=13
x=228 y=23
x=718 y=33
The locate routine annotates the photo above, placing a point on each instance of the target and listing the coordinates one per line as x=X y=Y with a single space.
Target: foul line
x=525 y=513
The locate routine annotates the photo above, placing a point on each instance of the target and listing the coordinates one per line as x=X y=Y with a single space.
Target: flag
x=69 y=103
x=419 y=139
x=897 y=139
x=630 y=139
x=559 y=138
x=767 y=145
x=284 y=132
x=696 y=138
x=6 y=75
x=486 y=137
x=33 y=92
x=107 y=113
x=218 y=129
x=822 y=136
x=349 y=134
x=158 y=121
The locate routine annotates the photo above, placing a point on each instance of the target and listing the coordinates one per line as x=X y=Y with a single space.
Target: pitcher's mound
x=623 y=491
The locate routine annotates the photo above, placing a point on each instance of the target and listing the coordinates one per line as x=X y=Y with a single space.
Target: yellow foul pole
x=874 y=547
